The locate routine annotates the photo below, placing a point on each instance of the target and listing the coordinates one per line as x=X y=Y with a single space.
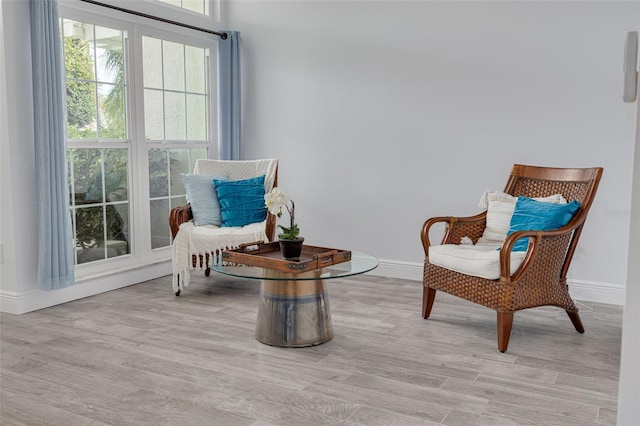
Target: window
x=175 y=105
x=139 y=113
x=96 y=111
x=198 y=6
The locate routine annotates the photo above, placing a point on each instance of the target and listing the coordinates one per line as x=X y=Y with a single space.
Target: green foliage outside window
x=81 y=96
x=97 y=220
x=85 y=113
x=114 y=103
x=92 y=188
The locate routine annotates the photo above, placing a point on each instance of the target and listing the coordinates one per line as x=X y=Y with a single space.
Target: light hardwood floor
x=140 y=355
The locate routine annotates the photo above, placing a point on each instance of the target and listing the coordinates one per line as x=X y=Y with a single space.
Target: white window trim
x=166 y=11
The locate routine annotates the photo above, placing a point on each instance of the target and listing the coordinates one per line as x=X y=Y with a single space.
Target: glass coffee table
x=293 y=310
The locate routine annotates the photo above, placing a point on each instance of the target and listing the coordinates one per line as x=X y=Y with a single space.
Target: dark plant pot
x=291 y=249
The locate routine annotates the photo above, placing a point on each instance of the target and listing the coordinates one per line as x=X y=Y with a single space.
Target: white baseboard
x=401 y=270
x=589 y=291
x=15 y=303
x=20 y=303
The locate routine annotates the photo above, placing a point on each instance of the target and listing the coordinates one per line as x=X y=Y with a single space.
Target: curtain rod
x=223 y=36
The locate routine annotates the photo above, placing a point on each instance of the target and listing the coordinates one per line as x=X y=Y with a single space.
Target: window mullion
x=103 y=206
x=211 y=105
x=140 y=174
x=164 y=92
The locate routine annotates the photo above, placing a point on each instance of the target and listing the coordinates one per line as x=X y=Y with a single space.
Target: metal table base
x=293 y=314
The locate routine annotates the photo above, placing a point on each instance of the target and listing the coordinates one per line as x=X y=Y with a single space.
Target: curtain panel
x=55 y=237
x=229 y=141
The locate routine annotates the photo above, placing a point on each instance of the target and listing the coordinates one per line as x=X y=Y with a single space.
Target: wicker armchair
x=541 y=278
x=214 y=239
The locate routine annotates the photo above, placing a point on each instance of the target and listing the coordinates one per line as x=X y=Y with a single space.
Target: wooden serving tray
x=267 y=255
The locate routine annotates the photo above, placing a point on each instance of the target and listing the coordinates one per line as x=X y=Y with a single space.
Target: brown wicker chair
x=541 y=279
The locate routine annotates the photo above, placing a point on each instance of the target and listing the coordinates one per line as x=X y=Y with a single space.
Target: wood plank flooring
x=141 y=356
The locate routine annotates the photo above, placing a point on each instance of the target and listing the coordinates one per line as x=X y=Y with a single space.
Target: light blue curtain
x=229 y=147
x=55 y=239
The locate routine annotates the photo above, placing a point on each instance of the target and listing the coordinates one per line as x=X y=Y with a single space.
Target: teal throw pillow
x=203 y=198
x=241 y=201
x=532 y=215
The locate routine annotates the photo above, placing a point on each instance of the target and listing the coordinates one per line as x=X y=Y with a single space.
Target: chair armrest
x=455 y=228
x=535 y=240
x=178 y=216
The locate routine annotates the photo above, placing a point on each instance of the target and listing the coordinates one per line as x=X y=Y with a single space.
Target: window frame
x=171 y=12
x=134 y=29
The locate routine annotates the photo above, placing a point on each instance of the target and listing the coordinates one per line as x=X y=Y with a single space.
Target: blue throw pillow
x=203 y=198
x=532 y=215
x=241 y=201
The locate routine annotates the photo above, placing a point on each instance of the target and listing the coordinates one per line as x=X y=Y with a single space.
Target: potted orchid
x=290 y=241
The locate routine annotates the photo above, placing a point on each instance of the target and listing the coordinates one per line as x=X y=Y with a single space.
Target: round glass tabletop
x=359 y=264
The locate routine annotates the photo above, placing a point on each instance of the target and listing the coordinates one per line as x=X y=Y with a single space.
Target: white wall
x=4 y=154
x=386 y=113
x=18 y=224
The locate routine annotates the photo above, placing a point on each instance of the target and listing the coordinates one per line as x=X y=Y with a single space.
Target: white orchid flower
x=276 y=201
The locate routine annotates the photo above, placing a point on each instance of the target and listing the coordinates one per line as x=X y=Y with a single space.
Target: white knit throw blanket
x=207 y=239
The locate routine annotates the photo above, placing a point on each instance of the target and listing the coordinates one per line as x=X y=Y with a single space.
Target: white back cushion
x=500 y=210
x=239 y=169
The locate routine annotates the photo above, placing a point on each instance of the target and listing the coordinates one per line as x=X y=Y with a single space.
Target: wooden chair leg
x=575 y=319
x=505 y=321
x=178 y=292
x=207 y=272
x=428 y=296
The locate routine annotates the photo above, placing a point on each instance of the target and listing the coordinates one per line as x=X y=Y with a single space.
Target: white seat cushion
x=480 y=260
